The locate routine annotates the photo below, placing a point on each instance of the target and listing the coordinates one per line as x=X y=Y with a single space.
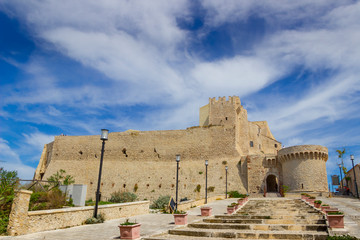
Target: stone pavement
x=157 y=223
x=351 y=208
x=151 y=224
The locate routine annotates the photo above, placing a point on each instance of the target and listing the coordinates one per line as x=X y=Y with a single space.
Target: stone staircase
x=259 y=219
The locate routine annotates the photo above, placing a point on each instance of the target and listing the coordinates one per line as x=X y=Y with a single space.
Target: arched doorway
x=271 y=184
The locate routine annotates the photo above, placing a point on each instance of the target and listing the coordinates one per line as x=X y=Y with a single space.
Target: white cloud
x=11 y=161
x=38 y=139
x=140 y=49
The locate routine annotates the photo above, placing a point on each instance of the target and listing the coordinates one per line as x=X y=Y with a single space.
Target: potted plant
x=335 y=219
x=180 y=217
x=303 y=195
x=311 y=200
x=241 y=201
x=317 y=203
x=236 y=205
x=230 y=209
x=324 y=207
x=206 y=211
x=129 y=230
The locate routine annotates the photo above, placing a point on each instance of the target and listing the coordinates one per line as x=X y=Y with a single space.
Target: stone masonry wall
x=304 y=167
x=144 y=162
x=24 y=222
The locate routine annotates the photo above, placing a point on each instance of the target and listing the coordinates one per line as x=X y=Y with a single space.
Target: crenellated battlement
x=222 y=100
x=303 y=152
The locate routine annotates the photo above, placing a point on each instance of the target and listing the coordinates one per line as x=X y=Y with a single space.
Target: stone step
x=291 y=217
x=249 y=234
x=265 y=221
x=180 y=237
x=263 y=227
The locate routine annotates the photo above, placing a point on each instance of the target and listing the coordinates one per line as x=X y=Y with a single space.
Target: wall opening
x=271 y=183
x=251 y=144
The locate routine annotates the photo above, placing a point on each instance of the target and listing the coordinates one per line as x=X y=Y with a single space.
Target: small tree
x=60 y=177
x=9 y=181
x=341 y=156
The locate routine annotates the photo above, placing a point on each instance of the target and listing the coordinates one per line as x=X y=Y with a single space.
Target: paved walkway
x=351 y=208
x=151 y=224
x=157 y=223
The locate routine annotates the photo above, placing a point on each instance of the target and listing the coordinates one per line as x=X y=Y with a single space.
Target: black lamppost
x=104 y=137
x=206 y=165
x=341 y=183
x=177 y=178
x=226 y=169
x=356 y=187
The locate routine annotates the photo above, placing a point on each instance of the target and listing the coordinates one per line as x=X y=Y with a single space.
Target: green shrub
x=197 y=188
x=8 y=182
x=211 y=189
x=100 y=219
x=128 y=223
x=318 y=201
x=234 y=194
x=161 y=202
x=122 y=197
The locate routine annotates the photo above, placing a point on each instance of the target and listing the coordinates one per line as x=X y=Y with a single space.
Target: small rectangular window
x=275 y=145
x=251 y=144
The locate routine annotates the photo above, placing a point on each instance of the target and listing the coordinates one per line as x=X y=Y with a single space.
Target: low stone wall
x=37 y=221
x=183 y=206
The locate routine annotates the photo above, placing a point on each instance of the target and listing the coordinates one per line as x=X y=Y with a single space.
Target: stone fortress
x=143 y=162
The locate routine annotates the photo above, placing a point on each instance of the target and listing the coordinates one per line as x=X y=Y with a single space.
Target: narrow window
x=275 y=145
x=225 y=118
x=302 y=186
x=251 y=144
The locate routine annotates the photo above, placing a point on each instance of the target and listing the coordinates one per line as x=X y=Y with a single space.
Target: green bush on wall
x=122 y=197
x=161 y=202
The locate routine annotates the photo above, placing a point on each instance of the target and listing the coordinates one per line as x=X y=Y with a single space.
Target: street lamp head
x=226 y=168
x=206 y=162
x=104 y=134
x=339 y=165
x=177 y=157
x=352 y=157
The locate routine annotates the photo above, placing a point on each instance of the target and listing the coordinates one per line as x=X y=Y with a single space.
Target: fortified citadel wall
x=144 y=161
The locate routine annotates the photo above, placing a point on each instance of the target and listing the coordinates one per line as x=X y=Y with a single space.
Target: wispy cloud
x=141 y=69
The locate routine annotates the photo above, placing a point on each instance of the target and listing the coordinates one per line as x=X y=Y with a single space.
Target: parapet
x=303 y=152
x=232 y=100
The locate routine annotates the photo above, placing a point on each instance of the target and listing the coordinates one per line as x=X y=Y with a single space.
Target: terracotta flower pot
x=130 y=231
x=323 y=208
x=311 y=201
x=180 y=219
x=335 y=221
x=327 y=210
x=317 y=205
x=206 y=211
x=241 y=201
x=230 y=210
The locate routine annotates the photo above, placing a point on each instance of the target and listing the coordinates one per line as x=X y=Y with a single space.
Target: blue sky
x=75 y=67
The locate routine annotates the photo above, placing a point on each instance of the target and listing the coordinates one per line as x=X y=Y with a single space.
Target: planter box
x=130 y=231
x=206 y=211
x=230 y=210
x=327 y=210
x=323 y=208
x=180 y=219
x=317 y=205
x=311 y=201
x=335 y=221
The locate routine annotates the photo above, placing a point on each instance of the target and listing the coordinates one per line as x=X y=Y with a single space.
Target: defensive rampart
x=304 y=167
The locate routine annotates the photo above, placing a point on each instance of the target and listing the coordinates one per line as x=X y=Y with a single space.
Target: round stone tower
x=304 y=168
